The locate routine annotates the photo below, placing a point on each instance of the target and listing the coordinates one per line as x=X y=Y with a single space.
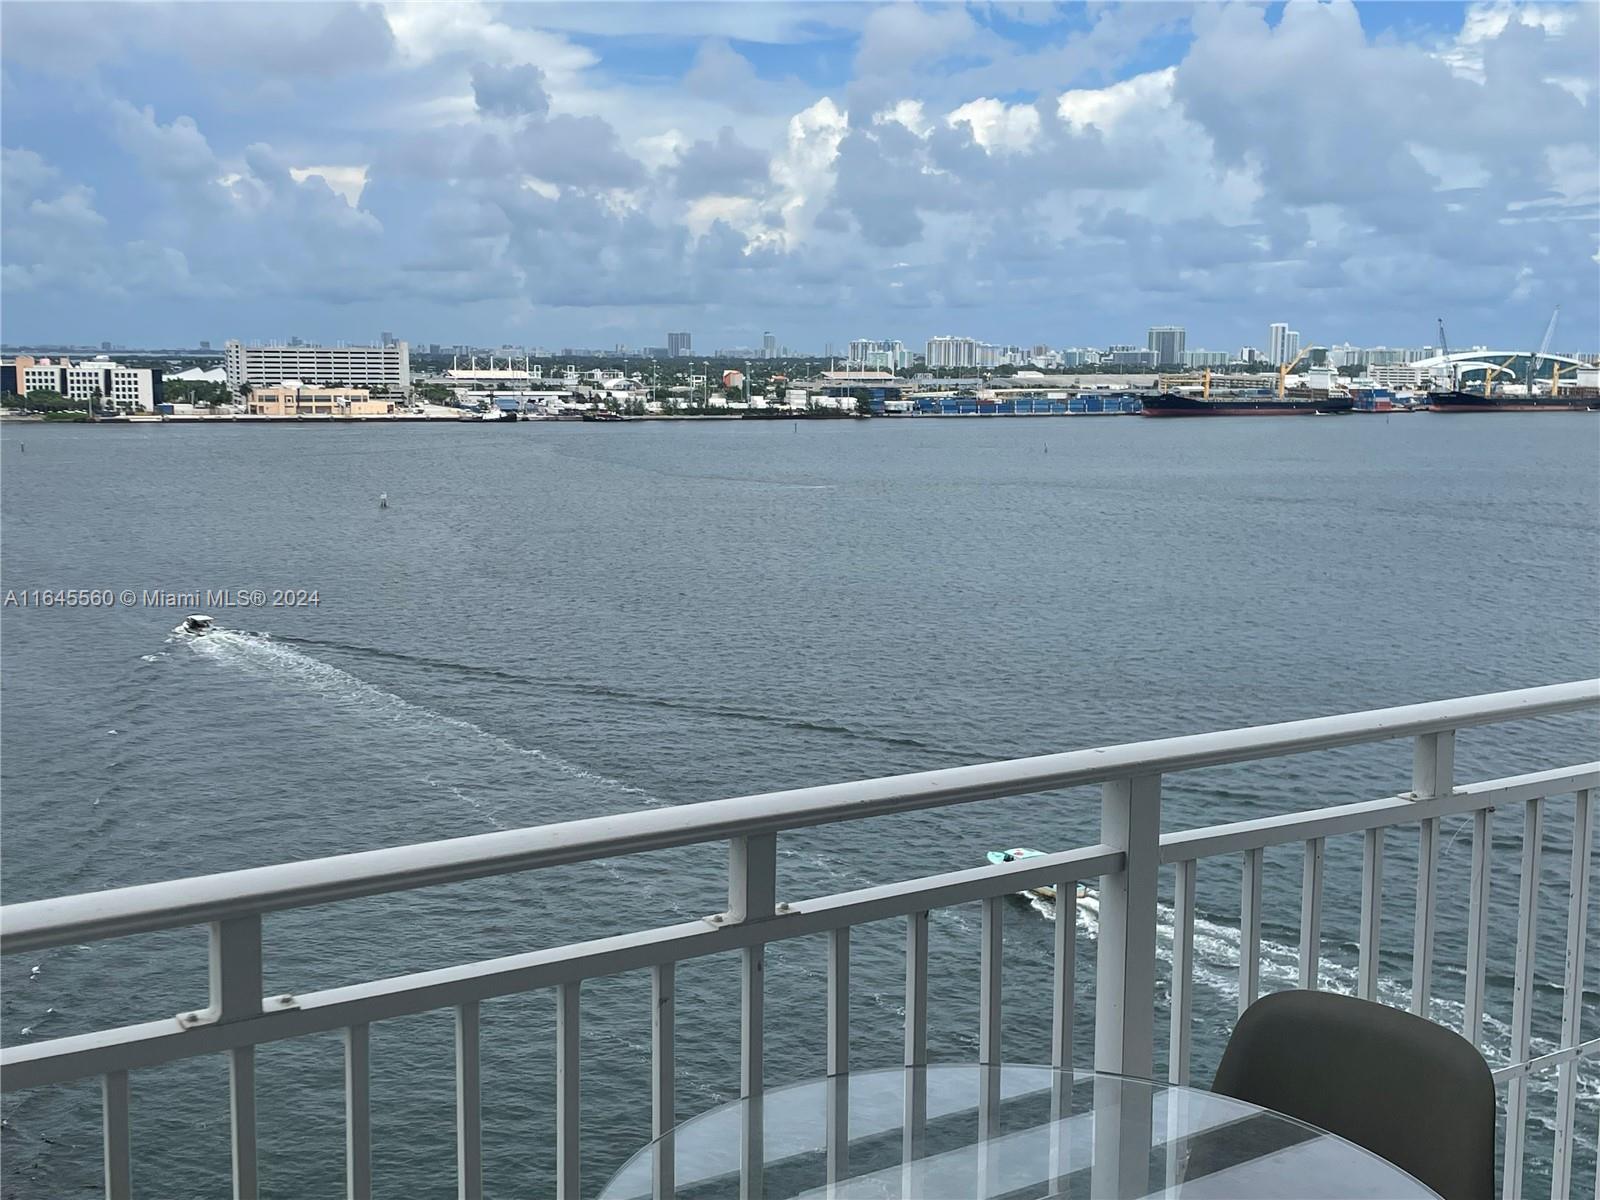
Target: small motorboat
x=1087 y=900
x=197 y=623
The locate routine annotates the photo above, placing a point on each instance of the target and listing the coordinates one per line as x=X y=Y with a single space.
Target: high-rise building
x=1291 y=346
x=376 y=367
x=1277 y=343
x=388 y=338
x=875 y=355
x=205 y=345
x=1167 y=343
x=961 y=353
x=769 y=345
x=679 y=345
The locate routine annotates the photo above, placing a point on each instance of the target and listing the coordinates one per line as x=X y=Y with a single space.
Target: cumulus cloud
x=515 y=91
x=724 y=166
x=949 y=165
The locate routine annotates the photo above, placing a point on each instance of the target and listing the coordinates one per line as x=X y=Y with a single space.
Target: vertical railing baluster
x=1064 y=981
x=1124 y=1026
x=838 y=1106
x=1250 y=927
x=1311 y=915
x=837 y=1135
x=752 y=1019
x=1371 y=914
x=917 y=990
x=1180 y=1044
x=1063 y=1013
x=1432 y=777
x=839 y=1001
x=469 y=1104
x=752 y=896
x=663 y=1087
x=1522 y=993
x=114 y=1099
x=1572 y=995
x=914 y=1118
x=357 y=1114
x=989 y=1001
x=568 y=1180
x=235 y=982
x=1477 y=927
x=242 y=1107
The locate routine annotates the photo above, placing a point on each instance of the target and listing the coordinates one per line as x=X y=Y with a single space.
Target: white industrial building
x=378 y=368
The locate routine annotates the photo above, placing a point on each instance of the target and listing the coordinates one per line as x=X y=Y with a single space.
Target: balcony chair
x=1406 y=1089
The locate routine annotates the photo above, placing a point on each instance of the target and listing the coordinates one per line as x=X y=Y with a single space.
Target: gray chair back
x=1406 y=1089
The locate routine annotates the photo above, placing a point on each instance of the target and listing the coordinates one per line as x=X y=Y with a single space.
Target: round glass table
x=964 y=1132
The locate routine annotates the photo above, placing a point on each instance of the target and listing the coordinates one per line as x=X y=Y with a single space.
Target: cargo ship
x=1244 y=404
x=1458 y=401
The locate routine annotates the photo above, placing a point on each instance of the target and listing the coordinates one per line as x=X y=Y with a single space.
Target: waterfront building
x=679 y=345
x=1166 y=342
x=1080 y=356
x=110 y=385
x=295 y=399
x=1198 y=359
x=376 y=367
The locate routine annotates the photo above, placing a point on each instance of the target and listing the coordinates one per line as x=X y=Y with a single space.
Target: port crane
x=1444 y=348
x=1544 y=349
x=1283 y=371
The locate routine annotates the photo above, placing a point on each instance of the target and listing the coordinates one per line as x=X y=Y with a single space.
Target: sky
x=593 y=174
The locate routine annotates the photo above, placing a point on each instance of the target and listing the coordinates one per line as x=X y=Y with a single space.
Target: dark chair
x=1406 y=1089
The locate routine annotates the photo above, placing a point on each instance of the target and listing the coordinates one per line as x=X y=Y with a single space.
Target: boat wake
x=1216 y=969
x=260 y=654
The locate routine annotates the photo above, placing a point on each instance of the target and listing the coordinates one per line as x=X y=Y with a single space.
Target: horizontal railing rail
x=1126 y=862
x=146 y=907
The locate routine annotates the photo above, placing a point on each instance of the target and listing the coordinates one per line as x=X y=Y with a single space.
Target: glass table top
x=964 y=1132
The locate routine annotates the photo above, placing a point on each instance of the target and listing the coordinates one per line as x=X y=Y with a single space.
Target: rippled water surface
x=552 y=621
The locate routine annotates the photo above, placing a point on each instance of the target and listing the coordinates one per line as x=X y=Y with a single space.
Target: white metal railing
x=1126 y=861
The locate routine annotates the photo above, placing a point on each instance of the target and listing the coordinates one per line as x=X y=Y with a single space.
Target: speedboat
x=1087 y=900
x=197 y=623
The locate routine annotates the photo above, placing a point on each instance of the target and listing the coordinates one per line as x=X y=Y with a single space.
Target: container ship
x=1244 y=404
x=1458 y=401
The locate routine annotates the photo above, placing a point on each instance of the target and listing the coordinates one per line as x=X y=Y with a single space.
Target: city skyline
x=1012 y=174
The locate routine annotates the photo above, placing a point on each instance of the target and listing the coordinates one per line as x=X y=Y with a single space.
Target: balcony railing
x=1125 y=862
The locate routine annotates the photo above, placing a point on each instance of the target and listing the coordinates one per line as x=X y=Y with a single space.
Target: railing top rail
x=174 y=903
